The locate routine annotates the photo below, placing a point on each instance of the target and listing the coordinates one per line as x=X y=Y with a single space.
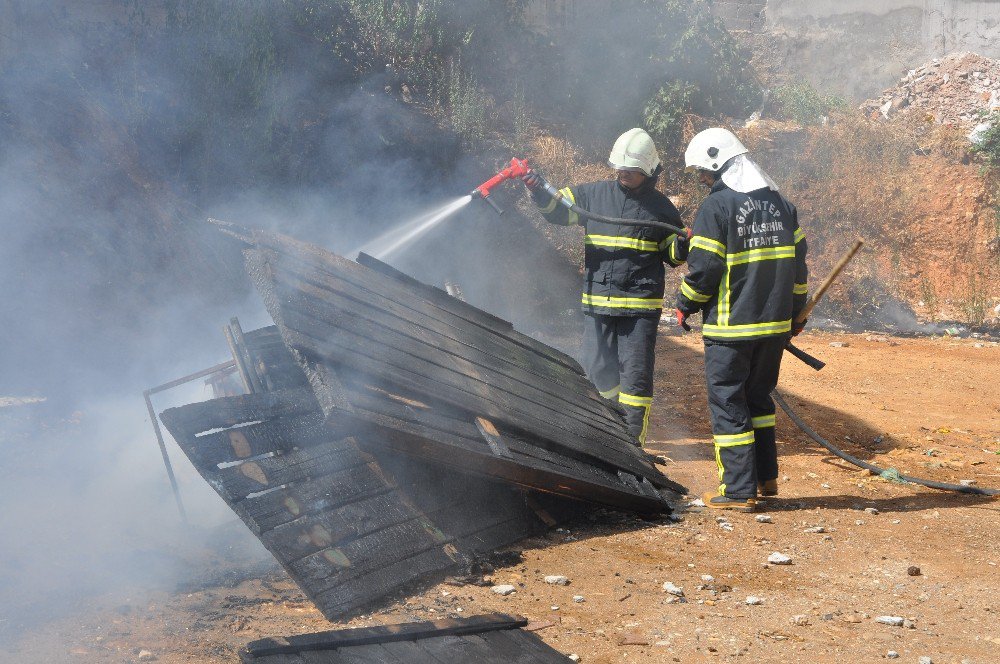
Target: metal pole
x=218 y=368
x=166 y=457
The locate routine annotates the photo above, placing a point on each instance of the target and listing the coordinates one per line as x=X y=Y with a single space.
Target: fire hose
x=890 y=474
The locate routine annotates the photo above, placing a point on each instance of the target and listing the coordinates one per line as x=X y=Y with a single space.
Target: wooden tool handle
x=814 y=299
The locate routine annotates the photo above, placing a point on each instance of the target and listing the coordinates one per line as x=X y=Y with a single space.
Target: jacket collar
x=719 y=186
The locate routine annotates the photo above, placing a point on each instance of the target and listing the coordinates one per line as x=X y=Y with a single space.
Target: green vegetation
x=988 y=146
x=804 y=104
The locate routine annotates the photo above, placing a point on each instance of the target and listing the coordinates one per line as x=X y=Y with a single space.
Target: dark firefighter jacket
x=623 y=265
x=747 y=265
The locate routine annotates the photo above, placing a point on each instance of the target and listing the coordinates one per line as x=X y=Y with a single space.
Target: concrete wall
x=859 y=47
x=742 y=14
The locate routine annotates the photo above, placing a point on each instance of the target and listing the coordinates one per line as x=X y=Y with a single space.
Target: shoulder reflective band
x=763 y=421
x=800 y=289
x=692 y=294
x=621 y=242
x=624 y=302
x=751 y=330
x=799 y=235
x=708 y=244
x=763 y=254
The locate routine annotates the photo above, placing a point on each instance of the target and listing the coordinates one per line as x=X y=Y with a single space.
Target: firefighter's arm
x=555 y=213
x=706 y=259
x=801 y=288
x=677 y=247
x=674 y=247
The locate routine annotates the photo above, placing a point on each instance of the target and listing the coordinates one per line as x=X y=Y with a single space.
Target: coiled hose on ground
x=891 y=473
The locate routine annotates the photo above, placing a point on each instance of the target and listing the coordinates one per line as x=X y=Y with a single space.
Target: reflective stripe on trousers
x=618 y=354
x=740 y=377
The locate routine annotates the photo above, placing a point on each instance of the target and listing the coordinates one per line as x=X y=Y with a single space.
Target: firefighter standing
x=624 y=271
x=747 y=275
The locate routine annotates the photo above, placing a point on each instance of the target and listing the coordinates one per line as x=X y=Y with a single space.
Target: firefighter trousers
x=618 y=354
x=740 y=377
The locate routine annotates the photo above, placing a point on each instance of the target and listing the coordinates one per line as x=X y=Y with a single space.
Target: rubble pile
x=958 y=89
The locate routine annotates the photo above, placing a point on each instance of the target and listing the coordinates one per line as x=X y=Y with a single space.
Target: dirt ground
x=924 y=406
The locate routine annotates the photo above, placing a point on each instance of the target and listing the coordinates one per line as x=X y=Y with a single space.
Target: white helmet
x=709 y=150
x=634 y=151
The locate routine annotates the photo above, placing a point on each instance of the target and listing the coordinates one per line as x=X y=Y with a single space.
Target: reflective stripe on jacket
x=624 y=271
x=747 y=265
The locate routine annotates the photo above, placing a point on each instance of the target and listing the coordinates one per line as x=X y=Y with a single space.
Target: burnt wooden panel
x=268 y=266
x=348 y=531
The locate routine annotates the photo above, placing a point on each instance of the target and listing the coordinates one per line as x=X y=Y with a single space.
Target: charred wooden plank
x=442 y=300
x=317 y=495
x=237 y=482
x=238 y=443
x=309 y=534
x=364 y=636
x=197 y=418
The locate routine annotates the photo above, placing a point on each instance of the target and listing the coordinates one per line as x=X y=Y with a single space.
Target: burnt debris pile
x=391 y=432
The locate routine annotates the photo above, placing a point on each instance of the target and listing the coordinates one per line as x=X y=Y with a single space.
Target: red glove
x=798 y=327
x=682 y=320
x=531 y=179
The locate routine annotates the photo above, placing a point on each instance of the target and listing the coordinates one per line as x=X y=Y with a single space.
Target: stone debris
x=777 y=558
x=146 y=656
x=871 y=510
x=574 y=657
x=672 y=589
x=893 y=621
x=954 y=90
x=578 y=598
x=697 y=502
x=800 y=620
x=707 y=578
x=913 y=570
x=967 y=482
x=815 y=529
x=764 y=518
x=557 y=580
x=754 y=601
x=839 y=344
x=925 y=660
x=503 y=589
x=892 y=654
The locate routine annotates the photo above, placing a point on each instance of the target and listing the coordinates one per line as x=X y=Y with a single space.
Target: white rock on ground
x=764 y=518
x=754 y=601
x=557 y=580
x=892 y=654
x=575 y=657
x=578 y=598
x=707 y=578
x=925 y=660
x=503 y=589
x=672 y=589
x=894 y=621
x=777 y=558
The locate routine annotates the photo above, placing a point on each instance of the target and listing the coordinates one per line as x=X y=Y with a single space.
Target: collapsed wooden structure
x=392 y=432
x=489 y=638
